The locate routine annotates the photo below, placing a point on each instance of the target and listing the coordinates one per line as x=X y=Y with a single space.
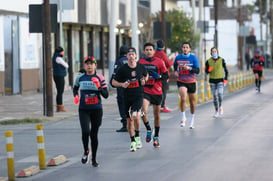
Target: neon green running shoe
x=133 y=146
x=138 y=142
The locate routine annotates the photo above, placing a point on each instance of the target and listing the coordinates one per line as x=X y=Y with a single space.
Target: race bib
x=134 y=84
x=184 y=72
x=150 y=82
x=91 y=99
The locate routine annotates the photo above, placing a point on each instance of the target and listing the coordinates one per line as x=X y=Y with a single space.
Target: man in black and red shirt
x=132 y=77
x=153 y=90
x=257 y=63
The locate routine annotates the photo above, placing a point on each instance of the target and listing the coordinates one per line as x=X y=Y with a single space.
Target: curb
x=57 y=160
x=32 y=170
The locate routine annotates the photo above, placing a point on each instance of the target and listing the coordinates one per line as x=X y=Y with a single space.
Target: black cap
x=131 y=49
x=160 y=44
x=91 y=59
x=59 y=49
x=123 y=49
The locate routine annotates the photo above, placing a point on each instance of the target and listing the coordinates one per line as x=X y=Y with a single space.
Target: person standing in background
x=216 y=67
x=247 y=59
x=59 y=73
x=168 y=63
x=121 y=60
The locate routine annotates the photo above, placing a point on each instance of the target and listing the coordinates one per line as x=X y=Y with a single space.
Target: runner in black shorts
x=132 y=78
x=257 y=63
x=191 y=87
x=153 y=90
x=186 y=66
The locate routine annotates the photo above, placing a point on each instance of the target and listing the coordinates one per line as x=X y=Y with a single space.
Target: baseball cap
x=131 y=49
x=123 y=49
x=91 y=59
x=257 y=51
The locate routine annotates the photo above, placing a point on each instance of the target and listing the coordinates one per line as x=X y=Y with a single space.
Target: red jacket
x=163 y=56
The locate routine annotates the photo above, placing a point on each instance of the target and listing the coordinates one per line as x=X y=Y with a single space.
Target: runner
x=257 y=63
x=91 y=86
x=168 y=63
x=218 y=75
x=132 y=78
x=186 y=66
x=153 y=91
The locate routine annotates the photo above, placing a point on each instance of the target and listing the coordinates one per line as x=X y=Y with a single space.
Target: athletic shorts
x=133 y=105
x=153 y=99
x=259 y=72
x=191 y=87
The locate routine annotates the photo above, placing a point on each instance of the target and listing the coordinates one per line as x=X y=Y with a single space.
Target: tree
x=181 y=29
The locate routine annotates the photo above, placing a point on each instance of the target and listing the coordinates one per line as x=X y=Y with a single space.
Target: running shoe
x=138 y=142
x=85 y=157
x=221 y=110
x=192 y=124
x=216 y=114
x=133 y=146
x=183 y=123
x=149 y=136
x=156 y=142
x=95 y=163
x=165 y=109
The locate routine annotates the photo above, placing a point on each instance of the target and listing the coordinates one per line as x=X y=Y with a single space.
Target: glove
x=76 y=99
x=210 y=69
x=225 y=82
x=96 y=82
x=155 y=75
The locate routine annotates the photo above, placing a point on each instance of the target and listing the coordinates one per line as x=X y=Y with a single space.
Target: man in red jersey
x=257 y=63
x=153 y=90
x=168 y=63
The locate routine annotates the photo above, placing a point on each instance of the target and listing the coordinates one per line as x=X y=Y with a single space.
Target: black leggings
x=59 y=83
x=164 y=91
x=94 y=117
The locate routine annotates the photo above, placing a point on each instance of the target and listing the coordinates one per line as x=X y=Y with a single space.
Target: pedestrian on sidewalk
x=257 y=63
x=132 y=77
x=216 y=67
x=121 y=60
x=186 y=66
x=168 y=63
x=247 y=59
x=59 y=73
x=92 y=86
x=153 y=91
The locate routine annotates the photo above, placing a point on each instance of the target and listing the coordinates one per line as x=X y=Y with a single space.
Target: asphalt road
x=236 y=146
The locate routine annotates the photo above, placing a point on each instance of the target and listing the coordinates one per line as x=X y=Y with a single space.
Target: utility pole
x=134 y=25
x=216 y=23
x=61 y=22
x=201 y=6
x=261 y=20
x=193 y=15
x=112 y=37
x=163 y=25
x=47 y=58
x=240 y=38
